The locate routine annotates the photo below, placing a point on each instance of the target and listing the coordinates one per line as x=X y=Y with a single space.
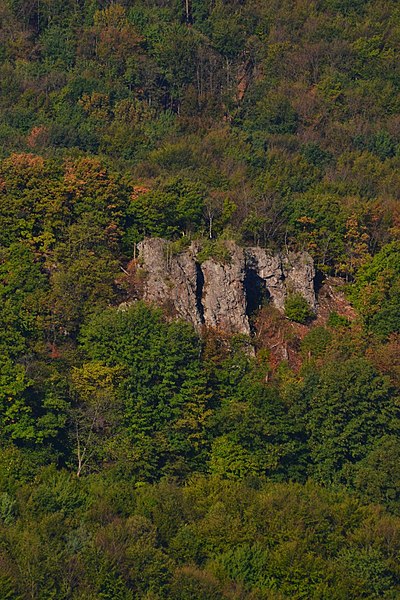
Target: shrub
x=337 y=321
x=297 y=308
x=214 y=249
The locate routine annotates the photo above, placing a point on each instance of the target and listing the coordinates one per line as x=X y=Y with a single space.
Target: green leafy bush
x=297 y=308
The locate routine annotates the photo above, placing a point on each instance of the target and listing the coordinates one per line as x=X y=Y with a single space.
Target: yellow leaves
x=116 y=38
x=306 y=221
x=94 y=379
x=330 y=88
x=356 y=244
x=369 y=48
x=43 y=243
x=113 y=16
x=193 y=421
x=96 y=105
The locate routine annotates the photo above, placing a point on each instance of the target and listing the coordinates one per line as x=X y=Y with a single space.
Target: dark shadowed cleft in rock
x=257 y=294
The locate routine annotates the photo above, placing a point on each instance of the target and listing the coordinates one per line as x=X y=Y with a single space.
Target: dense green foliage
x=139 y=460
x=213 y=539
x=377 y=293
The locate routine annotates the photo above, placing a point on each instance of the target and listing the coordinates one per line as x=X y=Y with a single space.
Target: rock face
x=221 y=295
x=172 y=281
x=299 y=274
x=224 y=298
x=265 y=278
x=282 y=274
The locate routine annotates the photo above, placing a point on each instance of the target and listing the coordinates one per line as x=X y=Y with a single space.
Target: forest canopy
x=139 y=458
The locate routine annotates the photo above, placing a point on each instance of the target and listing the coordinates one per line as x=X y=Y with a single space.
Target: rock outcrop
x=218 y=294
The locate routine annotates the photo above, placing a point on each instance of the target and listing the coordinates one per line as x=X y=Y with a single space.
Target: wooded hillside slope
x=139 y=458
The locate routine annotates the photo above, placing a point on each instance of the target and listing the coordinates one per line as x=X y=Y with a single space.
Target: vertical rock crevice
x=199 y=292
x=257 y=294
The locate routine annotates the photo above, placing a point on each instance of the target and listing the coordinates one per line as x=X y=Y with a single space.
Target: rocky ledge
x=222 y=294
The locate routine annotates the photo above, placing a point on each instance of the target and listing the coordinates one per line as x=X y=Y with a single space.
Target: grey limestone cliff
x=221 y=295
